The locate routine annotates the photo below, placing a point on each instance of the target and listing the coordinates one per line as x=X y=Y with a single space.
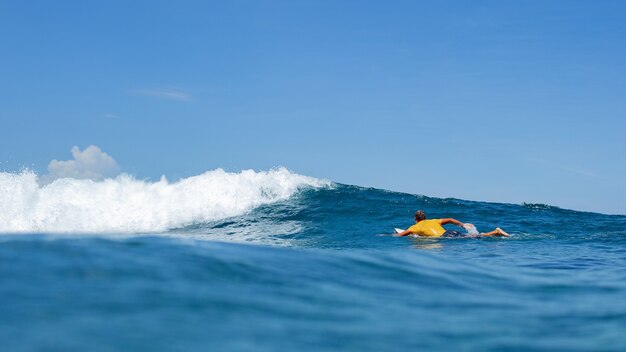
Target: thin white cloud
x=91 y=163
x=568 y=169
x=176 y=94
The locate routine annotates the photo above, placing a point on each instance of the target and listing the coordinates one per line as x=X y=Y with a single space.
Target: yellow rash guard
x=430 y=228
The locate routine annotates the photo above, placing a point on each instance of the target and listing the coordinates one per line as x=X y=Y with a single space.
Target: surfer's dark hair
x=419 y=215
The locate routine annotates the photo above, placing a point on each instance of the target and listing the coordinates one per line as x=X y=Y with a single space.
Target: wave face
x=324 y=276
x=127 y=205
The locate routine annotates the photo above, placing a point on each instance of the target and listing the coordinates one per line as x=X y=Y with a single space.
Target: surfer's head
x=419 y=216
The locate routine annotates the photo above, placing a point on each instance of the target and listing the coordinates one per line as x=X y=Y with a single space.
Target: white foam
x=127 y=205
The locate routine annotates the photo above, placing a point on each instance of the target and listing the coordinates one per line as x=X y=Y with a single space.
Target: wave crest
x=127 y=205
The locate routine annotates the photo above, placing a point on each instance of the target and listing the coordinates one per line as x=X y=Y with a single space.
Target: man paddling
x=434 y=228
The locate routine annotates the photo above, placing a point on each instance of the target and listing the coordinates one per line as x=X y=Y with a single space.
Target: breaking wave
x=127 y=205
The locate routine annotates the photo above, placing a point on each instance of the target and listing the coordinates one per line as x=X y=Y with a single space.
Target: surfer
x=434 y=228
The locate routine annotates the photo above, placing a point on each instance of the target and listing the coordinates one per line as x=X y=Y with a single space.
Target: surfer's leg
x=497 y=232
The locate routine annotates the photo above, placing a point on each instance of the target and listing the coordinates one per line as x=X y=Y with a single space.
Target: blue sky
x=508 y=101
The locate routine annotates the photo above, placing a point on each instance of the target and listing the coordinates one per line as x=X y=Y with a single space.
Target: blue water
x=311 y=272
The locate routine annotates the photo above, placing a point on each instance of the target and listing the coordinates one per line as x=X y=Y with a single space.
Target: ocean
x=276 y=261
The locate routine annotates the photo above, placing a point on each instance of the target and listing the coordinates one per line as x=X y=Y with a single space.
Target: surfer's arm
x=451 y=221
x=403 y=233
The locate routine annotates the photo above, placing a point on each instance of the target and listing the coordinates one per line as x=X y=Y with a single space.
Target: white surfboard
x=399 y=230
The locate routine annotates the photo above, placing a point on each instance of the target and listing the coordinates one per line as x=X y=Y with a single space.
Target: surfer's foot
x=501 y=232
